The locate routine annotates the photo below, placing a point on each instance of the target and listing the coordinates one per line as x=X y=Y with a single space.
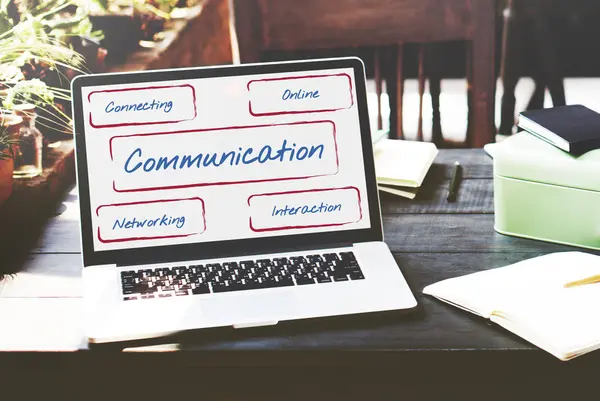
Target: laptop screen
x=223 y=158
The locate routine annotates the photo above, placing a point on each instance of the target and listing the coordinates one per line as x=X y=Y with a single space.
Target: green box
x=543 y=193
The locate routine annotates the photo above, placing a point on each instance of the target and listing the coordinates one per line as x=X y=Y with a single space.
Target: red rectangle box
x=199 y=141
x=184 y=109
x=304 y=209
x=145 y=224
x=262 y=103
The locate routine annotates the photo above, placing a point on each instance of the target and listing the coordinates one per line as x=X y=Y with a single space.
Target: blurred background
x=455 y=72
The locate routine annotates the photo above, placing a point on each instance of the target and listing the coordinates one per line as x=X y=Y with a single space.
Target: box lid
x=523 y=156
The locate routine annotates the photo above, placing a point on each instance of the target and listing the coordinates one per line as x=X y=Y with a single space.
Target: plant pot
x=6 y=179
x=122 y=34
x=12 y=124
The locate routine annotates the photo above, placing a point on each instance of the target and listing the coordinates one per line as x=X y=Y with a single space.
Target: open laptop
x=229 y=196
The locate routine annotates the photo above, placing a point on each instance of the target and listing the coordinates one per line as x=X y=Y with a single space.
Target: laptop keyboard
x=210 y=278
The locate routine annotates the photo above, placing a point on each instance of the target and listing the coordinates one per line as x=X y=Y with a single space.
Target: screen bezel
x=223 y=248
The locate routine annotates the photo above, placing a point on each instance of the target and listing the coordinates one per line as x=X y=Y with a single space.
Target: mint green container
x=543 y=193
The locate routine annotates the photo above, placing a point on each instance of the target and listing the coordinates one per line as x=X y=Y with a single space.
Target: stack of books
x=573 y=128
x=402 y=165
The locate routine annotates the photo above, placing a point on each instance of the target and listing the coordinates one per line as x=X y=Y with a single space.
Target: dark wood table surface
x=435 y=350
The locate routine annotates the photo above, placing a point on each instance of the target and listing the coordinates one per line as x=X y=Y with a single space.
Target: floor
x=454 y=104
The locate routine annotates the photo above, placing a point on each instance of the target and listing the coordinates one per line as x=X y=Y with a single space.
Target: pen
x=583 y=281
x=454 y=183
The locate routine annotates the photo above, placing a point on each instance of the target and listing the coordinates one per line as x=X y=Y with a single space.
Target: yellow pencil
x=583 y=281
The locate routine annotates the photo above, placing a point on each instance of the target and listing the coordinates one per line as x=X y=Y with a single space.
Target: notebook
x=406 y=192
x=401 y=165
x=573 y=128
x=529 y=298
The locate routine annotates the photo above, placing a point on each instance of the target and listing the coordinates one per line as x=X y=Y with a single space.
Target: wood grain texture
x=455 y=233
x=350 y=23
x=483 y=75
x=474 y=196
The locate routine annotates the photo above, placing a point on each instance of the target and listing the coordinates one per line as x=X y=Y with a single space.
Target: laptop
x=230 y=196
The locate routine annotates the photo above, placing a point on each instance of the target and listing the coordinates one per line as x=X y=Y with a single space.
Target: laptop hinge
x=238 y=255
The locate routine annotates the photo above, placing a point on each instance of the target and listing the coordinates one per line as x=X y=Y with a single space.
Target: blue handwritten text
x=142 y=106
x=299 y=94
x=304 y=209
x=136 y=161
x=164 y=221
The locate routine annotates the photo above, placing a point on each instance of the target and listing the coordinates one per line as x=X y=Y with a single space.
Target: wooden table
x=436 y=351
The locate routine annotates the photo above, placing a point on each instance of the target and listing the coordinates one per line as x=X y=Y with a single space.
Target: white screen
x=224 y=158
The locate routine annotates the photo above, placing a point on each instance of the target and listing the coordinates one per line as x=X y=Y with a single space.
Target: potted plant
x=9 y=127
x=33 y=63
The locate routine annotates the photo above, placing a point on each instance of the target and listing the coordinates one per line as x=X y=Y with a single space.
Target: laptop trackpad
x=248 y=310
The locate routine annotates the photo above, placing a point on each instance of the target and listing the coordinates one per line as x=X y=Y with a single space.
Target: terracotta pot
x=6 y=179
x=11 y=123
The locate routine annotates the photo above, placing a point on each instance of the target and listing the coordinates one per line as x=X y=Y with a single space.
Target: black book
x=573 y=128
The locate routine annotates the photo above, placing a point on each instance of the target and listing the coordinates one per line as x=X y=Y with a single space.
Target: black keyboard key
x=224 y=287
x=128 y=276
x=230 y=266
x=201 y=289
x=322 y=278
x=198 y=269
x=356 y=275
x=284 y=282
x=269 y=283
x=340 y=278
x=281 y=261
x=163 y=295
x=247 y=264
x=149 y=290
x=264 y=263
x=213 y=267
x=181 y=293
x=304 y=281
x=129 y=298
x=331 y=257
x=313 y=259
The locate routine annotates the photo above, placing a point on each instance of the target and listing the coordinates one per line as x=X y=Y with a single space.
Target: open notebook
x=529 y=298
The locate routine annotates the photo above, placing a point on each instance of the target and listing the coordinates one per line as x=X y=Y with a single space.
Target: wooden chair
x=285 y=25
